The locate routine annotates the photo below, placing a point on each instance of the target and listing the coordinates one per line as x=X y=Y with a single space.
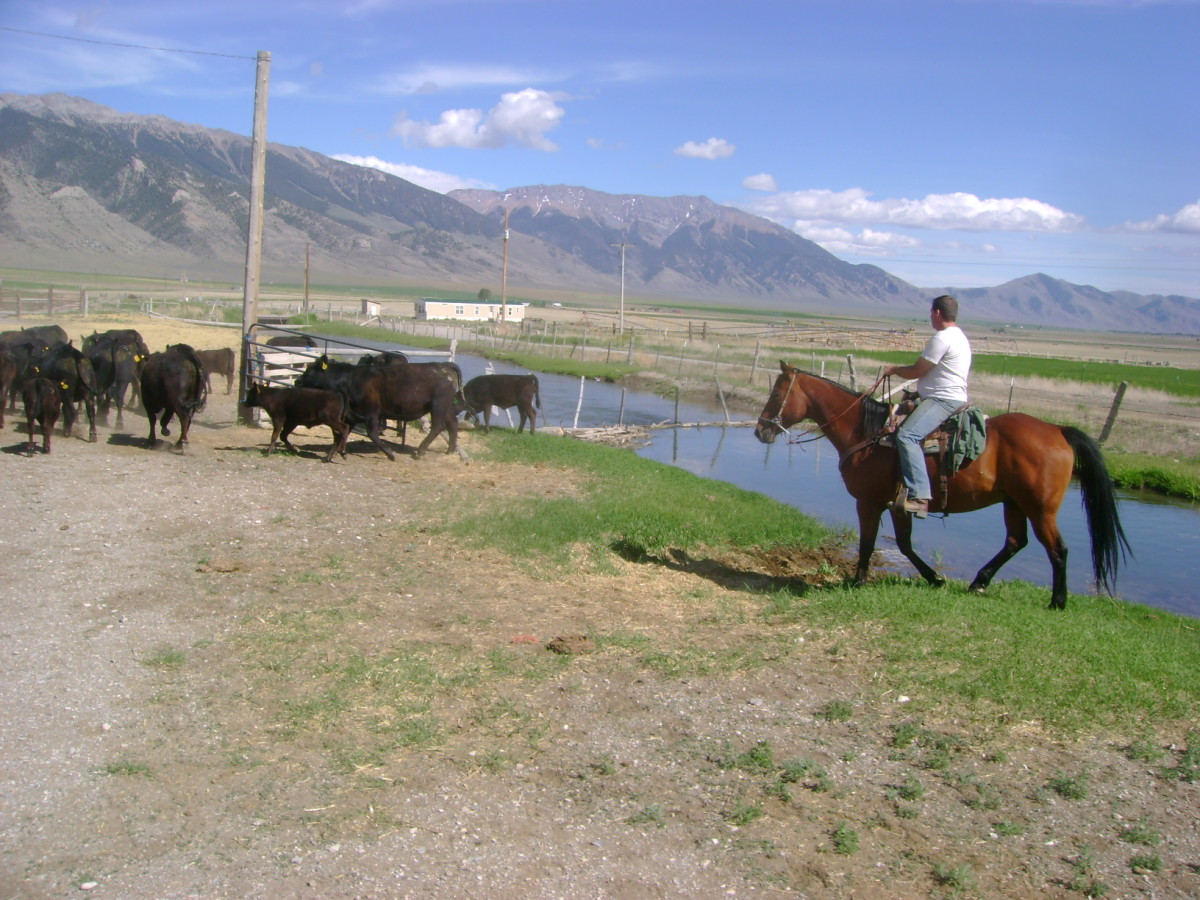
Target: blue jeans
x=929 y=414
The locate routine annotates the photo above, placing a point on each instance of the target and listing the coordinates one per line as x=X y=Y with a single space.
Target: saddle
x=956 y=442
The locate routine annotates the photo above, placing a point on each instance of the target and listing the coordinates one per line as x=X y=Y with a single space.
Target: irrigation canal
x=1164 y=533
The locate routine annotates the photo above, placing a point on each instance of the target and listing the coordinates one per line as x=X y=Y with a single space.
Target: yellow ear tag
x=324 y=365
x=65 y=386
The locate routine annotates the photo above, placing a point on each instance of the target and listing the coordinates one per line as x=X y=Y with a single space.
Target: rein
x=777 y=422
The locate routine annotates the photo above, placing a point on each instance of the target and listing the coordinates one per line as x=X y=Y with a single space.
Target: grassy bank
x=629 y=504
x=1164 y=475
x=1003 y=657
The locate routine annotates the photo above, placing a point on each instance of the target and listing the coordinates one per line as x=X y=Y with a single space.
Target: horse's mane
x=874 y=412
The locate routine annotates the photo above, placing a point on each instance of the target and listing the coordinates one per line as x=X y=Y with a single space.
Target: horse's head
x=786 y=406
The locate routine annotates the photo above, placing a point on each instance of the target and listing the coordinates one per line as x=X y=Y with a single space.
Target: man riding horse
x=941 y=372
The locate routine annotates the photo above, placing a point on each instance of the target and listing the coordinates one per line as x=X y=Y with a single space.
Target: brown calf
x=483 y=392
x=218 y=362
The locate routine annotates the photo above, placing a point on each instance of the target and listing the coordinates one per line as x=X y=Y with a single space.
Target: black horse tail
x=1109 y=546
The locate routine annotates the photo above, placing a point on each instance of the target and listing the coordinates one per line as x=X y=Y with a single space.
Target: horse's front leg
x=902 y=525
x=869 y=515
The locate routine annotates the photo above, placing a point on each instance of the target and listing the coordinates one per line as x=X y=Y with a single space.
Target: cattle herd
x=53 y=378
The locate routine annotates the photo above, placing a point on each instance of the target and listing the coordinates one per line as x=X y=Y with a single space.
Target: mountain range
x=86 y=188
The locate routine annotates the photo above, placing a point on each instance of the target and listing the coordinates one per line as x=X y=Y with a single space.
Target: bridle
x=776 y=421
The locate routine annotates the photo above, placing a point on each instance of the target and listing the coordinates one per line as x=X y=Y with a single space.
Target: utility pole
x=621 y=320
x=504 y=275
x=254 y=232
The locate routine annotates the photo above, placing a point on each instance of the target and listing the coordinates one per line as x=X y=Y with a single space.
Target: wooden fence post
x=853 y=374
x=721 y=394
x=1112 y=413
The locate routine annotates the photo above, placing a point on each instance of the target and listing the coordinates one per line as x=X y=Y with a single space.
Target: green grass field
x=1101 y=664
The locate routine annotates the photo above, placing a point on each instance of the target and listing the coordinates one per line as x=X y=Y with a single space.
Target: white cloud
x=713 y=148
x=868 y=242
x=599 y=144
x=957 y=211
x=520 y=118
x=442 y=182
x=761 y=182
x=1186 y=221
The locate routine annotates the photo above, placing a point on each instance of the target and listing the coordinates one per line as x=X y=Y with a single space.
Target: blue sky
x=957 y=143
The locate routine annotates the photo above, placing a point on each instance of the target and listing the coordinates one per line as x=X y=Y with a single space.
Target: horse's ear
x=783 y=367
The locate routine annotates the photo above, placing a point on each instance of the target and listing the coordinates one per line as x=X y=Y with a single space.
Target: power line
x=1131 y=266
x=65 y=37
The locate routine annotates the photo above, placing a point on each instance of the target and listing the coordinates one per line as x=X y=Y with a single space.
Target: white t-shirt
x=950 y=352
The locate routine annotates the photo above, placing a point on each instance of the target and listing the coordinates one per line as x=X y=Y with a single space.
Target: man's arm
x=910 y=372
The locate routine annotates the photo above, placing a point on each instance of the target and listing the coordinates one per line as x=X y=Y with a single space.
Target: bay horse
x=1026 y=465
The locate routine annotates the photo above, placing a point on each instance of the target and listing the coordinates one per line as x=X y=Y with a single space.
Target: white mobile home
x=469 y=311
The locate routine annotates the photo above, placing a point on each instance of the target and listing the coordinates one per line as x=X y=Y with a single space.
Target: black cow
x=381 y=359
x=117 y=365
x=124 y=350
x=8 y=374
x=448 y=370
x=27 y=345
x=47 y=335
x=291 y=408
x=291 y=340
x=218 y=362
x=173 y=384
x=130 y=336
x=397 y=390
x=42 y=405
x=483 y=392
x=72 y=372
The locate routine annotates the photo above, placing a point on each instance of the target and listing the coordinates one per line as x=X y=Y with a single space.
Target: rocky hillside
x=690 y=246
x=86 y=188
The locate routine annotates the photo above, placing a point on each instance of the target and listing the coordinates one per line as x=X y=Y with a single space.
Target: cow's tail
x=1109 y=546
x=201 y=396
x=537 y=393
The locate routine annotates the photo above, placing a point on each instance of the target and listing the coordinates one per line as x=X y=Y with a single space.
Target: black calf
x=292 y=408
x=43 y=402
